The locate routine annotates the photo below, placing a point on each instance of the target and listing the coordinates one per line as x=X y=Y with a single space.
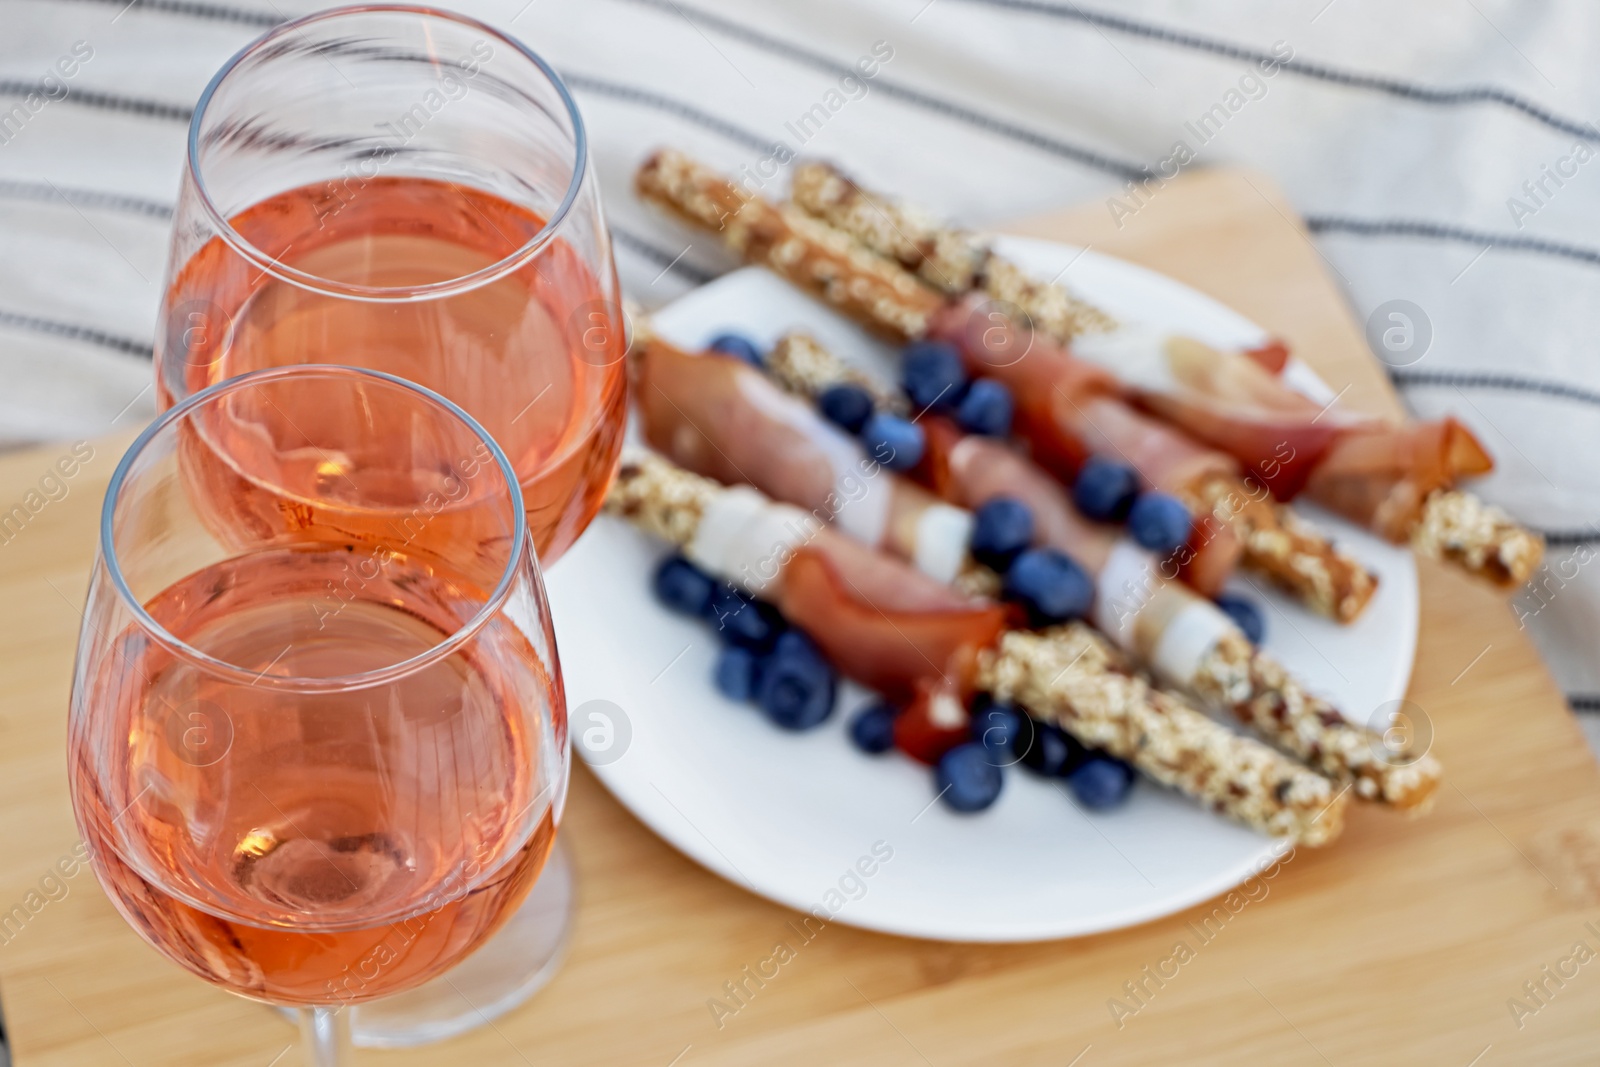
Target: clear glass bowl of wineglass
x=407 y=190
x=318 y=760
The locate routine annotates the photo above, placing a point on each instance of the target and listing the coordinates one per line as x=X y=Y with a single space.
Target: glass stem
x=325 y=1033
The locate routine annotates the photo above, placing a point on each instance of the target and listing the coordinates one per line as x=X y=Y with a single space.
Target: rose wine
x=534 y=353
x=325 y=843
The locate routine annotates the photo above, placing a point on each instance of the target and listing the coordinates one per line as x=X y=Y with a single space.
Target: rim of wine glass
x=521 y=553
x=316 y=283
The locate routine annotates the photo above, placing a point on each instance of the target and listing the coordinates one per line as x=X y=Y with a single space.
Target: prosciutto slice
x=881 y=622
x=722 y=418
x=1366 y=468
x=1068 y=410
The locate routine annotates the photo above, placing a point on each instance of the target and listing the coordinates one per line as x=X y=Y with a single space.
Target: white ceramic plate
x=796 y=818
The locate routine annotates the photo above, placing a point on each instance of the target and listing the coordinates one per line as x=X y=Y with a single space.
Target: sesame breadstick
x=1278 y=543
x=1454 y=526
x=952 y=260
x=883 y=296
x=1229 y=675
x=784 y=239
x=1068 y=676
x=1460 y=528
x=803 y=367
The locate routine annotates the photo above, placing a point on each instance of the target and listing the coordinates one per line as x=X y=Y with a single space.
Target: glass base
x=505 y=972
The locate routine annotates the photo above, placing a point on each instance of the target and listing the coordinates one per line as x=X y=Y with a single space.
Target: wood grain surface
x=1405 y=943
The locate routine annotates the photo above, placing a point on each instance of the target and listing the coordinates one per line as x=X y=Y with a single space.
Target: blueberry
x=682 y=586
x=737 y=672
x=872 y=729
x=1245 y=615
x=743 y=621
x=737 y=344
x=893 y=441
x=1046 y=749
x=797 y=686
x=846 y=405
x=1159 y=522
x=987 y=409
x=932 y=375
x=997 y=728
x=967 y=779
x=1101 y=782
x=1105 y=489
x=1001 y=528
x=1049 y=585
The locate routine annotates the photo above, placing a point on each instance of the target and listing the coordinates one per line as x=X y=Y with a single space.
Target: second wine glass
x=320 y=763
x=407 y=190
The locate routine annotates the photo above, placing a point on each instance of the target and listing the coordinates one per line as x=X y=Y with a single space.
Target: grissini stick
x=1398 y=480
x=1062 y=423
x=836 y=590
x=1066 y=407
x=792 y=244
x=718 y=415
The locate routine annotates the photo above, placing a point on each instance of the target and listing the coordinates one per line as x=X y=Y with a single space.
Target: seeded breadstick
x=946 y=258
x=1068 y=676
x=951 y=259
x=1462 y=529
x=1279 y=544
x=1307 y=726
x=1276 y=542
x=803 y=367
x=1064 y=675
x=1231 y=675
x=1454 y=526
x=784 y=239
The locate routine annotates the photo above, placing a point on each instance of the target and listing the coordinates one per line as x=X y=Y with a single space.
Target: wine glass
x=409 y=190
x=317 y=762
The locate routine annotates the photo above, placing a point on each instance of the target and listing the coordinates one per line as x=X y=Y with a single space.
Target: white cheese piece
x=943 y=536
x=1188 y=638
x=1122 y=589
x=746 y=539
x=1136 y=354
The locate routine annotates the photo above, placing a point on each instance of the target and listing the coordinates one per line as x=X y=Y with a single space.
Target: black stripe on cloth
x=1570 y=538
x=1437 y=231
x=1505 y=383
x=1397 y=87
x=45 y=192
x=948 y=108
x=209 y=12
x=633 y=94
x=132 y=105
x=668 y=261
x=72 y=332
x=1583 y=701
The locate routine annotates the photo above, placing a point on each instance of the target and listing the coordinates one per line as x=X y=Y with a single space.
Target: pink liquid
x=318 y=848
x=535 y=355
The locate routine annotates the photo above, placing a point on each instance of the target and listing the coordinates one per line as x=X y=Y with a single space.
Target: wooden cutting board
x=1407 y=942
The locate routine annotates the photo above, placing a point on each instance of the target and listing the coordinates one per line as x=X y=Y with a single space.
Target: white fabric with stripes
x=988 y=109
